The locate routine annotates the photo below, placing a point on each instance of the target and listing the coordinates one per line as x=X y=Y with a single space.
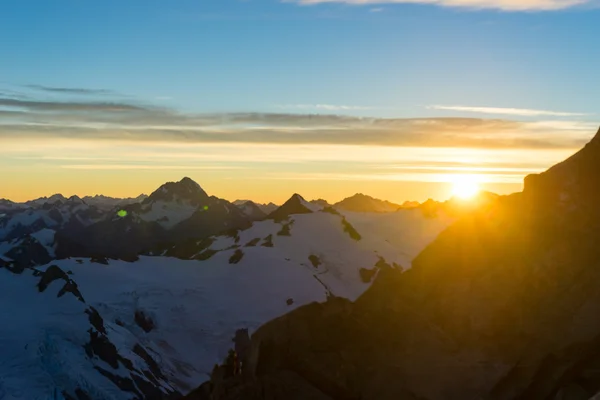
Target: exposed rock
x=349 y=229
x=314 y=260
x=253 y=242
x=144 y=321
x=51 y=274
x=236 y=257
x=268 y=241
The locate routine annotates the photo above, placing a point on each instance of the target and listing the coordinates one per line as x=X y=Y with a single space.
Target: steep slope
x=363 y=203
x=252 y=211
x=295 y=205
x=57 y=346
x=502 y=305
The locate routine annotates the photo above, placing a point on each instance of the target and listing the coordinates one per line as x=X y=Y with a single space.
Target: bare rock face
x=504 y=304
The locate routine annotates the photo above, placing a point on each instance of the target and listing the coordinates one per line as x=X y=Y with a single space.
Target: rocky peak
x=185 y=189
x=295 y=205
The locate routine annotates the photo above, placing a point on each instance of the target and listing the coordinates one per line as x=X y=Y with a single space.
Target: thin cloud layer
x=324 y=107
x=117 y=120
x=521 y=112
x=63 y=90
x=506 y=5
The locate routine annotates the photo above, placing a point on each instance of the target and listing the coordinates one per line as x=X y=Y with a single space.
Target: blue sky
x=231 y=55
x=487 y=59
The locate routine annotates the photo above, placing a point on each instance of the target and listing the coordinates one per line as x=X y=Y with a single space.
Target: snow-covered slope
x=184 y=312
x=55 y=346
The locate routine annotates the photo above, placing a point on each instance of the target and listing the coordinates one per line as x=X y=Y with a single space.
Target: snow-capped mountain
x=8 y=206
x=266 y=208
x=173 y=314
x=252 y=210
x=54 y=213
x=107 y=203
x=45 y=200
x=149 y=294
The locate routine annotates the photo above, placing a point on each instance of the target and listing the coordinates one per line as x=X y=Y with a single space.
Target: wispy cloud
x=376 y=10
x=147 y=167
x=124 y=120
x=521 y=112
x=324 y=107
x=68 y=106
x=65 y=90
x=506 y=5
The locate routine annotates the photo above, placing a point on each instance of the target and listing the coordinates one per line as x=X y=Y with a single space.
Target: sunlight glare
x=465 y=186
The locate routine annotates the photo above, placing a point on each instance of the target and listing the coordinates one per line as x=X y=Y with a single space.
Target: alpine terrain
x=501 y=305
x=139 y=299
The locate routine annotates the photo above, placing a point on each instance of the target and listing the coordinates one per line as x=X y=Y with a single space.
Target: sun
x=465 y=186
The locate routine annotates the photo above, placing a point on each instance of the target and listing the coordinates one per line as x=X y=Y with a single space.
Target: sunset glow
x=465 y=186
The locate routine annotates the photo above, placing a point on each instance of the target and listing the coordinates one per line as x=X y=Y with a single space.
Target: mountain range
x=138 y=298
x=503 y=304
x=363 y=299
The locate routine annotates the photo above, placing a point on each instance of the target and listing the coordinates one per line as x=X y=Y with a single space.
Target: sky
x=260 y=99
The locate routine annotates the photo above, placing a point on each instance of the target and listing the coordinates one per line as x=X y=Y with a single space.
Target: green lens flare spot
x=122 y=213
x=205 y=208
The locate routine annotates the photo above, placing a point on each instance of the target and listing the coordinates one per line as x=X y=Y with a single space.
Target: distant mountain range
x=139 y=298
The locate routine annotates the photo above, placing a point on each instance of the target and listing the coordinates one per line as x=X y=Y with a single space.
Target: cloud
x=63 y=90
x=147 y=167
x=376 y=10
x=522 y=112
x=37 y=105
x=127 y=121
x=505 y=5
x=324 y=107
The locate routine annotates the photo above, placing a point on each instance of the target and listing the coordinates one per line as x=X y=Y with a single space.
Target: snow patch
x=168 y=213
x=46 y=238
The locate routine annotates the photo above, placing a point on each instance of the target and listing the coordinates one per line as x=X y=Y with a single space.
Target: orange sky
x=261 y=172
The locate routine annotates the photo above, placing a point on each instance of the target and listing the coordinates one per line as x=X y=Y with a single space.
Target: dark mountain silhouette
x=363 y=203
x=295 y=205
x=185 y=189
x=502 y=305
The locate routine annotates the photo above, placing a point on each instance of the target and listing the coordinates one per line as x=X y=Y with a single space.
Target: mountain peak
x=185 y=189
x=297 y=196
x=295 y=205
x=363 y=203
